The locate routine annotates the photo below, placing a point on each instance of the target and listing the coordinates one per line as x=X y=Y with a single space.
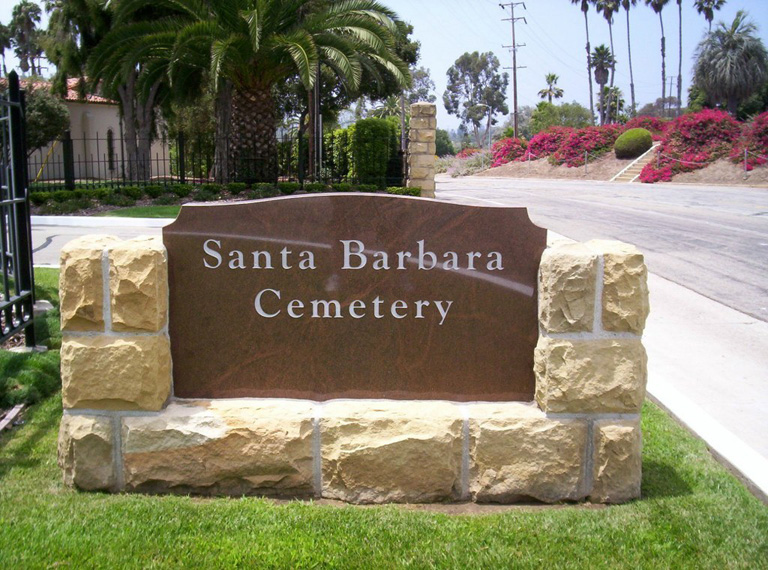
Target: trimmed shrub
x=166 y=200
x=371 y=151
x=315 y=187
x=236 y=188
x=288 y=187
x=367 y=188
x=341 y=187
x=402 y=191
x=211 y=187
x=68 y=207
x=39 y=198
x=205 y=195
x=633 y=143
x=61 y=196
x=132 y=192
x=114 y=199
x=154 y=190
x=182 y=190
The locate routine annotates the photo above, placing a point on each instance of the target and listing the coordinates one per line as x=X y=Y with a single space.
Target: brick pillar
x=421 y=149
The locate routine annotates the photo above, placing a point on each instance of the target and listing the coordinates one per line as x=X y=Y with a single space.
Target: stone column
x=421 y=148
x=590 y=361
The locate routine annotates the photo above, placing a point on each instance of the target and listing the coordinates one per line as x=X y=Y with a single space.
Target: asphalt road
x=711 y=240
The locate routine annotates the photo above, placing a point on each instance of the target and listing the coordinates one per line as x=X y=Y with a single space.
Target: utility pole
x=513 y=48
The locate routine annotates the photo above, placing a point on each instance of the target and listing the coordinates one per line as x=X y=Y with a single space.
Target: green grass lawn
x=693 y=514
x=144 y=212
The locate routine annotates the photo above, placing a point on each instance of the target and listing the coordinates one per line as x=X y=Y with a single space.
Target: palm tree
x=658 y=6
x=24 y=19
x=602 y=62
x=626 y=4
x=584 y=4
x=245 y=50
x=731 y=62
x=614 y=104
x=608 y=8
x=5 y=43
x=551 y=90
x=707 y=9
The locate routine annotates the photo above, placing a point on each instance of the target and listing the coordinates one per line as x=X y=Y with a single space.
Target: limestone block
x=617 y=461
x=516 y=452
x=590 y=376
x=625 y=286
x=221 y=447
x=422 y=161
x=422 y=136
x=85 y=452
x=567 y=278
x=421 y=172
x=423 y=109
x=138 y=281
x=423 y=122
x=423 y=148
x=113 y=373
x=81 y=286
x=376 y=452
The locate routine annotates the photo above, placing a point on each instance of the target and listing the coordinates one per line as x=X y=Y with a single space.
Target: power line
x=513 y=49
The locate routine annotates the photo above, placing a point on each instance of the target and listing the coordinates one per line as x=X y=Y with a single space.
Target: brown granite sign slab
x=353 y=296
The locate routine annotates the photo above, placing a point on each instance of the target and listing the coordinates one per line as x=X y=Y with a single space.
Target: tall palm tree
x=731 y=62
x=584 y=4
x=627 y=4
x=551 y=90
x=658 y=6
x=245 y=49
x=680 y=56
x=24 y=19
x=707 y=9
x=5 y=43
x=602 y=62
x=608 y=8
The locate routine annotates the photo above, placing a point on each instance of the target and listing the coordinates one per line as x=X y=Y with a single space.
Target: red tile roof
x=73 y=93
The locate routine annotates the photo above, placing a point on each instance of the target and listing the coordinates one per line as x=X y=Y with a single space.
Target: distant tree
x=602 y=62
x=658 y=6
x=584 y=5
x=566 y=115
x=422 y=87
x=551 y=90
x=707 y=9
x=390 y=107
x=47 y=118
x=614 y=104
x=524 y=114
x=443 y=143
x=657 y=108
x=627 y=4
x=26 y=36
x=5 y=44
x=731 y=63
x=476 y=90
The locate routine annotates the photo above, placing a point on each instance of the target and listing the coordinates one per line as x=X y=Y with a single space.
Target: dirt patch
x=603 y=168
x=723 y=171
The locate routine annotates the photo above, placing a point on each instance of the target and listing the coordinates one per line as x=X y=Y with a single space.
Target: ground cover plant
x=753 y=142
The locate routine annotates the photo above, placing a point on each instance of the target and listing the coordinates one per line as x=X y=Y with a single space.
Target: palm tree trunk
x=602 y=103
x=589 y=74
x=631 y=75
x=663 y=68
x=613 y=70
x=680 y=59
x=222 y=168
x=253 y=148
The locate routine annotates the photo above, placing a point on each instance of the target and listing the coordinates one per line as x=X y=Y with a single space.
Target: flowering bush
x=467 y=152
x=654 y=125
x=546 y=142
x=591 y=140
x=691 y=142
x=754 y=140
x=507 y=150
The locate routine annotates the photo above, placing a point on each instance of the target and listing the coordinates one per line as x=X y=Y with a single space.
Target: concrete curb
x=96 y=222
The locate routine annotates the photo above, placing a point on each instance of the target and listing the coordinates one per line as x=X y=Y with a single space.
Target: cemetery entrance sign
x=353 y=296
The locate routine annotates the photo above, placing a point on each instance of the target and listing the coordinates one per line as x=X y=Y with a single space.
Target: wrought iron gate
x=17 y=293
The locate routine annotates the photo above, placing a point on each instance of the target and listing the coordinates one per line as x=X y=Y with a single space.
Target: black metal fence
x=18 y=286
x=101 y=161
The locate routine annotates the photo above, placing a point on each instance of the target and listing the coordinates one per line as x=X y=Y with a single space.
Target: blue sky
x=554 y=36
x=555 y=39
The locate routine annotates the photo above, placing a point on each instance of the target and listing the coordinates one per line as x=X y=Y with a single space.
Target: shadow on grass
x=24 y=442
x=662 y=480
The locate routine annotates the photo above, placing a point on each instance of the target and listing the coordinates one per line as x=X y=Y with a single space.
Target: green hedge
x=632 y=143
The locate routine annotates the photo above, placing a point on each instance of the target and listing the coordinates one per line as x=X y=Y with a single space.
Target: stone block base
x=359 y=451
